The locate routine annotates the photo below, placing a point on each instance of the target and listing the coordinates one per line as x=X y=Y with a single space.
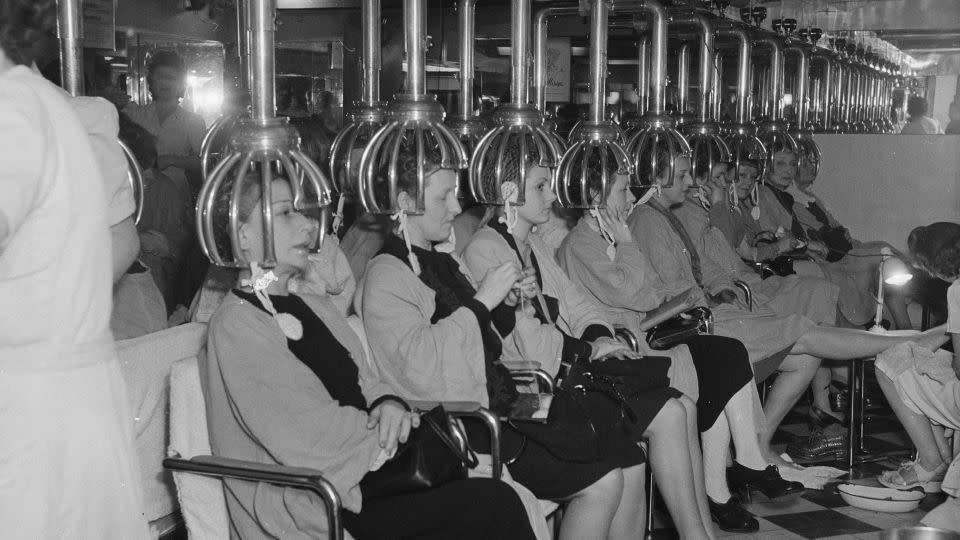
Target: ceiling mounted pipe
x=519 y=127
x=598 y=139
x=824 y=121
x=631 y=121
x=655 y=134
x=71 y=77
x=802 y=133
x=367 y=117
x=773 y=130
x=467 y=127
x=742 y=140
x=262 y=148
x=414 y=123
x=540 y=34
x=705 y=33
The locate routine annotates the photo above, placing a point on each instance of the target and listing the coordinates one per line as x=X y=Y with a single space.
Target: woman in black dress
x=436 y=335
x=286 y=382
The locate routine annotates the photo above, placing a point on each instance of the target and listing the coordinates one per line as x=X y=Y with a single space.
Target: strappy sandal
x=911 y=475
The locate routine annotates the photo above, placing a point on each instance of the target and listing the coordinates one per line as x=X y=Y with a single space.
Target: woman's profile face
x=440 y=206
x=621 y=198
x=807 y=174
x=293 y=233
x=538 y=197
x=682 y=182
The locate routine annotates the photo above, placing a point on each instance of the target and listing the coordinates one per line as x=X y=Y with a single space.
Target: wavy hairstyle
x=936 y=248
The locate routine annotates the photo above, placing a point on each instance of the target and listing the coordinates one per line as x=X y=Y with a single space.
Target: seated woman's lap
x=472 y=509
x=723 y=368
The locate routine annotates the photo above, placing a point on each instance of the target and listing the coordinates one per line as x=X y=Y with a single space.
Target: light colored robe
x=265 y=405
x=419 y=360
x=811 y=297
x=854 y=274
x=762 y=332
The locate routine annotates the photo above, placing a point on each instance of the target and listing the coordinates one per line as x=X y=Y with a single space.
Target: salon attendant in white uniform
x=67 y=465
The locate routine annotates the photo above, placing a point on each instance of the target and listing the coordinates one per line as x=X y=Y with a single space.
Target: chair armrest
x=627 y=337
x=546 y=382
x=299 y=477
x=747 y=292
x=470 y=409
x=521 y=365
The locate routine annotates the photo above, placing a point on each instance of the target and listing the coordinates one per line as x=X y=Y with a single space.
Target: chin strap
x=755 y=199
x=732 y=198
x=605 y=232
x=338 y=217
x=401 y=218
x=510 y=194
x=654 y=189
x=702 y=197
x=259 y=281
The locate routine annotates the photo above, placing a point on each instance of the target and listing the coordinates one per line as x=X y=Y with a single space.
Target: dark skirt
x=723 y=368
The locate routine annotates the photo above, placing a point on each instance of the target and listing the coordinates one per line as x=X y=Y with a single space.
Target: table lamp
x=894 y=272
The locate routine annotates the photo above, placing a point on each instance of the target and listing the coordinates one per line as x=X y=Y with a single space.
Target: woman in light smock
x=286 y=382
x=790 y=344
x=601 y=256
x=67 y=462
x=557 y=325
x=435 y=335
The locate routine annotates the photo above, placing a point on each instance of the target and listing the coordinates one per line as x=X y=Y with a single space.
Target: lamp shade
x=895 y=272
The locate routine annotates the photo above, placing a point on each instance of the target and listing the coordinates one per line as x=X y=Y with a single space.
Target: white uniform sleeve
x=22 y=145
x=100 y=119
x=953 y=308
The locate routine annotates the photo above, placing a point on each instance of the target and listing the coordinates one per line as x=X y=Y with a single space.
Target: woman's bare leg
x=917 y=426
x=716 y=450
x=796 y=372
x=590 y=512
x=671 y=461
x=846 y=344
x=696 y=462
x=631 y=515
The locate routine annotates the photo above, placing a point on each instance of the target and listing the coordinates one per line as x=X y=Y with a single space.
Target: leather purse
x=430 y=458
x=680 y=328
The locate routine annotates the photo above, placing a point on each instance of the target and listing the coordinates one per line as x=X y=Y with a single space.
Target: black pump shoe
x=731 y=516
x=767 y=481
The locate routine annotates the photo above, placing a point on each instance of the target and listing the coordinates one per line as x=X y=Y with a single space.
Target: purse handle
x=468 y=457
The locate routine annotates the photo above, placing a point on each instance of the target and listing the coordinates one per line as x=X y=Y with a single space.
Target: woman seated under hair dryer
x=601 y=256
x=287 y=382
x=557 y=325
x=791 y=344
x=435 y=334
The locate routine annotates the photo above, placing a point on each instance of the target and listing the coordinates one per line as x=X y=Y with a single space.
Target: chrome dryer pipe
x=658 y=53
x=263 y=59
x=600 y=12
x=467 y=35
x=414 y=22
x=540 y=25
x=706 y=31
x=744 y=56
x=776 y=76
x=519 y=50
x=370 y=22
x=643 y=76
x=826 y=89
x=683 y=78
x=800 y=102
x=71 y=50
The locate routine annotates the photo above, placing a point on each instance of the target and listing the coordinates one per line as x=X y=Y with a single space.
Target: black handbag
x=676 y=330
x=430 y=458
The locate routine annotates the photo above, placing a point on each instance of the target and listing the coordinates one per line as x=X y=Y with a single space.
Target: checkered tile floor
x=823 y=514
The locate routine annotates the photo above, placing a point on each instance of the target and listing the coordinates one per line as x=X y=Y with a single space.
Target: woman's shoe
x=911 y=475
x=822 y=443
x=767 y=481
x=731 y=516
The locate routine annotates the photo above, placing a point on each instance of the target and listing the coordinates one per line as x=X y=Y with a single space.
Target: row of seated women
x=287 y=381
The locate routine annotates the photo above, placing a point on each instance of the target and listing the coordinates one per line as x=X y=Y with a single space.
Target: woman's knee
x=672 y=414
x=800 y=363
x=608 y=488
